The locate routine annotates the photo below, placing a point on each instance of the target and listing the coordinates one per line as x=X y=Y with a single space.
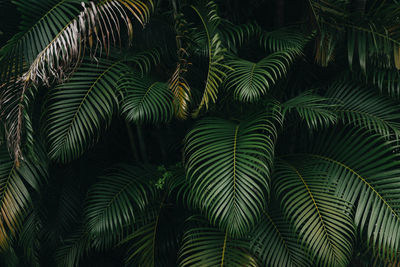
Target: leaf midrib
x=234 y=162
x=316 y=207
x=224 y=249
x=361 y=178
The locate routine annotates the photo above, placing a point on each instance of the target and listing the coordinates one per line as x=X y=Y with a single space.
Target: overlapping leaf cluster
x=216 y=143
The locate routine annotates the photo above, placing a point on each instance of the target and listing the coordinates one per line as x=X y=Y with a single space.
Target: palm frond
x=286 y=39
x=364 y=109
x=325 y=46
x=144 y=243
x=251 y=80
x=315 y=110
x=145 y=100
x=364 y=169
x=207 y=246
x=15 y=198
x=9 y=258
x=181 y=90
x=12 y=114
x=373 y=40
x=54 y=46
x=113 y=202
x=39 y=25
x=80 y=108
x=215 y=53
x=73 y=249
x=387 y=81
x=155 y=238
x=97 y=25
x=178 y=83
x=28 y=239
x=83 y=106
x=324 y=222
x=234 y=36
x=228 y=165
x=275 y=242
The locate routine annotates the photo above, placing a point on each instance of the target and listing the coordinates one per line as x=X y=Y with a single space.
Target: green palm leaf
x=113 y=202
x=81 y=107
x=215 y=53
x=39 y=25
x=15 y=198
x=371 y=40
x=315 y=110
x=228 y=165
x=251 y=80
x=276 y=244
x=53 y=46
x=387 y=80
x=365 y=171
x=234 y=36
x=206 y=246
x=154 y=241
x=285 y=39
x=324 y=222
x=98 y=25
x=73 y=248
x=365 y=109
x=144 y=248
x=146 y=100
x=178 y=84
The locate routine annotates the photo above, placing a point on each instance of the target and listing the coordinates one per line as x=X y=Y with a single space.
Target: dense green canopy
x=199 y=133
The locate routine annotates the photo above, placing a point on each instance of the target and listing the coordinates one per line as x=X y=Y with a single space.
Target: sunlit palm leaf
x=14 y=192
x=178 y=84
x=215 y=53
x=181 y=90
x=228 y=165
x=324 y=222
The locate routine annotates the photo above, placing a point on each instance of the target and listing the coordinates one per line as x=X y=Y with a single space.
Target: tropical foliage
x=199 y=133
